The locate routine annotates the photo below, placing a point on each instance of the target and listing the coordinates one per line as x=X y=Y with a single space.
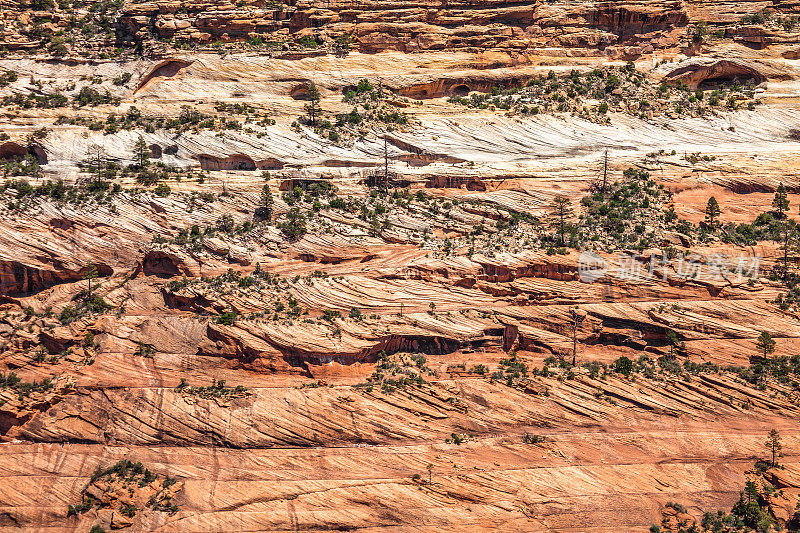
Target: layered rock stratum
x=229 y=304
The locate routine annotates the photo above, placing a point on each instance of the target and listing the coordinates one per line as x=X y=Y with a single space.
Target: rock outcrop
x=617 y=30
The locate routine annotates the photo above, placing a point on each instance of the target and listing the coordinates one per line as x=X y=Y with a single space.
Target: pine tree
x=789 y=238
x=672 y=339
x=141 y=153
x=561 y=212
x=712 y=212
x=265 y=209
x=313 y=108
x=605 y=175
x=89 y=275
x=578 y=316
x=675 y=343
x=781 y=201
x=774 y=446
x=295 y=225
x=97 y=156
x=765 y=344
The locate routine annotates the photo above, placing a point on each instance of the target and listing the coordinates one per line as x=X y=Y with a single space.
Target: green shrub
x=68 y=314
x=162 y=189
x=122 y=79
x=623 y=365
x=128 y=509
x=227 y=318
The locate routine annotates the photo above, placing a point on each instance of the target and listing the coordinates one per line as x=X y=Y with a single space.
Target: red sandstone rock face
x=617 y=30
x=121 y=402
x=420 y=27
x=244 y=364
